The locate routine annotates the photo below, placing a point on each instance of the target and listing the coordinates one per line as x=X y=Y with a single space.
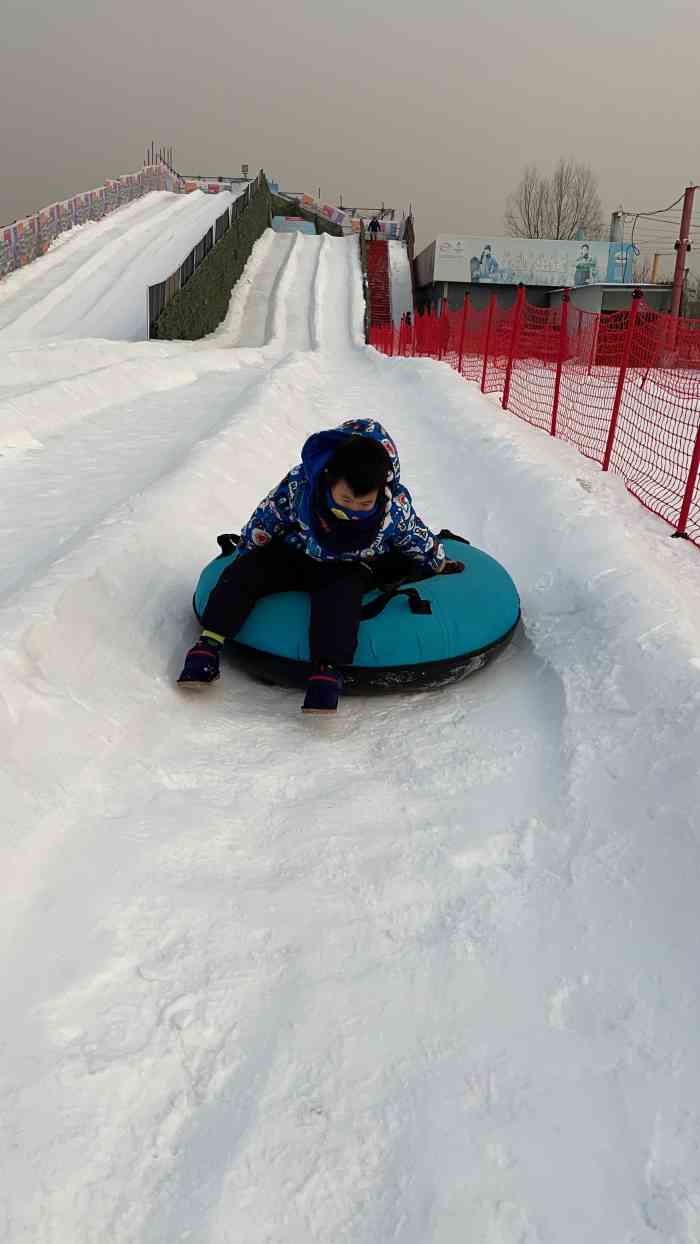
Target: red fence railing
x=623 y=387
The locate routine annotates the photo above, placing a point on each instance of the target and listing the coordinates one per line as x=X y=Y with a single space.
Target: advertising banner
x=207 y=187
x=536 y=261
x=621 y=261
x=26 y=239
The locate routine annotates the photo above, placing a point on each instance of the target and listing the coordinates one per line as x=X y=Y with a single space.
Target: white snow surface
x=400 y=285
x=95 y=284
x=427 y=973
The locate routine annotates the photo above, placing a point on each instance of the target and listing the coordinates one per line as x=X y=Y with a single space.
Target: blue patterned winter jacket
x=286 y=512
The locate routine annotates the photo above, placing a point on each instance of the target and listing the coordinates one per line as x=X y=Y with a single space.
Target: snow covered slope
x=274 y=302
x=400 y=281
x=94 y=281
x=427 y=973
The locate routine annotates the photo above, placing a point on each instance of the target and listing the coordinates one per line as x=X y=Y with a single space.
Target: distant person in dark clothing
x=374 y=227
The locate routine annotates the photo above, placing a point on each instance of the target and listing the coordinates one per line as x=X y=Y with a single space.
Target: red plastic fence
x=623 y=387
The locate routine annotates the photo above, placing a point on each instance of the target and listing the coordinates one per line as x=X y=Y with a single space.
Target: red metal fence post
x=487 y=342
x=517 y=320
x=594 y=344
x=563 y=326
x=624 y=362
x=465 y=313
x=689 y=489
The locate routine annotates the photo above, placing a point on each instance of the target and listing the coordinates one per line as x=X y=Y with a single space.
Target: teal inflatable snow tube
x=428 y=632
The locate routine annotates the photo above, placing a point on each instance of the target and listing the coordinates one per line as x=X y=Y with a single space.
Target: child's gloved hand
x=452 y=567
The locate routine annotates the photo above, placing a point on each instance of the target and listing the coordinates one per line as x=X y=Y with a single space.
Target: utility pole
x=682 y=247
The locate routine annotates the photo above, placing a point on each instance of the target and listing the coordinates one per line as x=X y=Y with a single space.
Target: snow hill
x=425 y=974
x=94 y=280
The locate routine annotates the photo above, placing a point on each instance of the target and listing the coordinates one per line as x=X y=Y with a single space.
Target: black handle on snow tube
x=417 y=603
x=227 y=543
x=415 y=600
x=450 y=535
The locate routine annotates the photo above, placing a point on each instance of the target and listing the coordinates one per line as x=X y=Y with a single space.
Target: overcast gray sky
x=434 y=102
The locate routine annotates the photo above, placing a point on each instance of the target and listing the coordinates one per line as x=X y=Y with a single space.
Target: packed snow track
x=94 y=280
x=427 y=973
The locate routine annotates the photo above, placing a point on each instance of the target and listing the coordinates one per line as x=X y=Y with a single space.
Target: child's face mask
x=338 y=510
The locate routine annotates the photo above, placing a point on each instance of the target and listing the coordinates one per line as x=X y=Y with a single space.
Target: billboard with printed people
x=530 y=261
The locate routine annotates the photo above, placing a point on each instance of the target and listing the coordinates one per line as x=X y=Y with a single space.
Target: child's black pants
x=336 y=589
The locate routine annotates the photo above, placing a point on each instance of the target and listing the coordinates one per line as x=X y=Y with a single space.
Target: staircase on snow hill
x=378 y=282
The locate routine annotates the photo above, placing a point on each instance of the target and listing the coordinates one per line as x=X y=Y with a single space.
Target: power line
x=658 y=222
x=659 y=243
x=657 y=226
x=657 y=212
x=653 y=221
x=660 y=210
x=654 y=230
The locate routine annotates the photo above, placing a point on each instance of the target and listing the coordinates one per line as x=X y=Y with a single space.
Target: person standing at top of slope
x=335 y=521
x=374 y=227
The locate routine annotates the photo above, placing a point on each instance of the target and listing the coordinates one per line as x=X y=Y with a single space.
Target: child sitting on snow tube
x=339 y=523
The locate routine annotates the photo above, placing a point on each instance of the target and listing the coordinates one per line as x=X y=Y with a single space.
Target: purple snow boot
x=201 y=665
x=322 y=690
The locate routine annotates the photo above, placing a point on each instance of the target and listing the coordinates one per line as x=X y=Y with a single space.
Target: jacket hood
x=318 y=448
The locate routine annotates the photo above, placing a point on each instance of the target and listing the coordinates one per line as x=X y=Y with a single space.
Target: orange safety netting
x=623 y=387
